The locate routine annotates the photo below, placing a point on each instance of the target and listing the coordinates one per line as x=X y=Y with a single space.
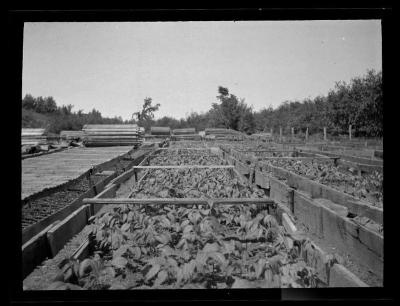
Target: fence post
x=350 y=131
x=292 y=133
x=280 y=133
x=324 y=133
x=306 y=134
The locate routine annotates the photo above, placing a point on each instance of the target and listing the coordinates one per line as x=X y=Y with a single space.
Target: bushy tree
x=145 y=117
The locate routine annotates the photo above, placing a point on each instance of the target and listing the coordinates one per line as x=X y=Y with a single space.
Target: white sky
x=113 y=66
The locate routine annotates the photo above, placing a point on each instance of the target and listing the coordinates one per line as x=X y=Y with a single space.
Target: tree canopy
x=359 y=103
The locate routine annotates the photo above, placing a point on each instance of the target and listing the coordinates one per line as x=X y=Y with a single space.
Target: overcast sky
x=113 y=66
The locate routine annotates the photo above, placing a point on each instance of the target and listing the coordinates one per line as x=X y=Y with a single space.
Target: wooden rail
x=180 y=201
x=185 y=167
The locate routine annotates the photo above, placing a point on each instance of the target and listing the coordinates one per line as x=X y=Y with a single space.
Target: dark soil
x=38 y=209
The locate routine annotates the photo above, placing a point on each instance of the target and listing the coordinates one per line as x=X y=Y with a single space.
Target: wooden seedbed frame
x=305 y=184
x=331 y=275
x=45 y=238
x=361 y=164
x=211 y=150
x=301 y=196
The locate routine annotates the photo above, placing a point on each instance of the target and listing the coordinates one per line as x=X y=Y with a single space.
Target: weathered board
x=49 y=171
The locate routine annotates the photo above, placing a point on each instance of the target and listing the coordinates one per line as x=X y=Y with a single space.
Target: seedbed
x=184 y=157
x=153 y=232
x=253 y=146
x=187 y=144
x=367 y=187
x=193 y=183
x=272 y=153
x=352 y=226
x=198 y=247
x=36 y=210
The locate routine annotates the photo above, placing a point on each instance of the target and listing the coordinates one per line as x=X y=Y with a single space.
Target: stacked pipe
x=105 y=135
x=185 y=134
x=33 y=137
x=225 y=134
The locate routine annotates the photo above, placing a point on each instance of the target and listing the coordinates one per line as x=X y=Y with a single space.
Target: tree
x=147 y=111
x=29 y=102
x=247 y=122
x=227 y=113
x=45 y=105
x=145 y=116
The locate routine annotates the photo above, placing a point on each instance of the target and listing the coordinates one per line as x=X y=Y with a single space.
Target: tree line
x=358 y=103
x=43 y=112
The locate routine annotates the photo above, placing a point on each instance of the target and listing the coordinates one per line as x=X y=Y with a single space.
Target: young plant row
x=169 y=247
x=193 y=183
x=180 y=157
x=368 y=186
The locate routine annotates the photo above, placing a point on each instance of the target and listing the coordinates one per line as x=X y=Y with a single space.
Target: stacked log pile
x=223 y=134
x=106 y=135
x=185 y=134
x=71 y=135
x=33 y=137
x=159 y=132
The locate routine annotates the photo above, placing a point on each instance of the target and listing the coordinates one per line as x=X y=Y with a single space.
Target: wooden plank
x=280 y=192
x=83 y=251
x=318 y=190
x=339 y=276
x=109 y=192
x=261 y=179
x=194 y=149
x=288 y=224
x=106 y=193
x=184 y=167
x=317 y=259
x=361 y=167
x=179 y=201
x=65 y=230
x=314 y=158
x=242 y=168
x=363 y=244
x=269 y=150
x=32 y=230
x=308 y=213
x=361 y=209
x=123 y=177
x=35 y=250
x=67 y=163
x=350 y=158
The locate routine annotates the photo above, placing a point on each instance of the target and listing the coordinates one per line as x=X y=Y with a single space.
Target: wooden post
x=324 y=133
x=350 y=131
x=306 y=134
x=272 y=131
x=292 y=132
x=280 y=133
